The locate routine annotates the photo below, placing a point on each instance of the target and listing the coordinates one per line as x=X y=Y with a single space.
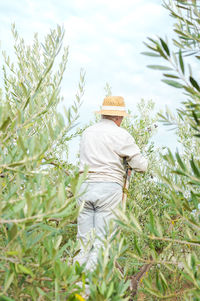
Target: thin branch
x=56 y=165
x=39 y=216
x=9 y=259
x=183 y=242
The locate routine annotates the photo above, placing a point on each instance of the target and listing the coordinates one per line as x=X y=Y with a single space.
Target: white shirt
x=103 y=147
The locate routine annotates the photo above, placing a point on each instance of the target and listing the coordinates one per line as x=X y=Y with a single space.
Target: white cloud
x=78 y=29
x=105 y=37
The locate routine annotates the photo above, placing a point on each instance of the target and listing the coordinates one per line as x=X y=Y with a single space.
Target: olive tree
x=38 y=186
x=171 y=238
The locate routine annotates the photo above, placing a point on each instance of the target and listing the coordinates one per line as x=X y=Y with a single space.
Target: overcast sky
x=105 y=38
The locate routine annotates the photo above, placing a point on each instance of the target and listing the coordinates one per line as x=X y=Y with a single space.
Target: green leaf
x=35 y=239
x=5 y=298
x=24 y=270
x=12 y=232
x=136 y=246
x=171 y=75
x=158 y=283
x=159 y=67
x=102 y=288
x=172 y=83
x=160 y=50
x=150 y=54
x=180 y=162
x=187 y=207
x=181 y=63
x=58 y=242
x=195 y=169
x=176 y=43
x=159 y=228
x=61 y=193
x=169 y=157
x=28 y=203
x=8 y=282
x=152 y=222
x=21 y=144
x=42 y=293
x=51 y=131
x=12 y=253
x=190 y=90
x=110 y=290
x=152 y=48
x=181 y=33
x=23 y=88
x=164 y=282
x=136 y=223
x=5 y=124
x=165 y=47
x=194 y=83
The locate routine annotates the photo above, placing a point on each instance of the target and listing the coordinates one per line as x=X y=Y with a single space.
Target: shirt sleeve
x=129 y=149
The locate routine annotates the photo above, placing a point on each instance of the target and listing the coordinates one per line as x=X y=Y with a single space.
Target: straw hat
x=113 y=106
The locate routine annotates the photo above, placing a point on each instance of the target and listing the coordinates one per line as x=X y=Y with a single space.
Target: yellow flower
x=78 y=297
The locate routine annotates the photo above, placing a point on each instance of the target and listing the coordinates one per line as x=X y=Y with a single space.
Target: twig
x=21 y=220
x=135 y=279
x=9 y=259
x=184 y=242
x=56 y=165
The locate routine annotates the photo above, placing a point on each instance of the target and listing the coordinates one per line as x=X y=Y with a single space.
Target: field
x=155 y=253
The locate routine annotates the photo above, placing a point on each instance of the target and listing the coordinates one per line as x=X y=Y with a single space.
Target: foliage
x=35 y=188
x=108 y=89
x=176 y=271
x=38 y=188
x=146 y=193
x=107 y=282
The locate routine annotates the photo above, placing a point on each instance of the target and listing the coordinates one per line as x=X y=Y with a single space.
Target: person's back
x=103 y=148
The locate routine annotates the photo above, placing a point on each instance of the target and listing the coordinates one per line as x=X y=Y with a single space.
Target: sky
x=105 y=38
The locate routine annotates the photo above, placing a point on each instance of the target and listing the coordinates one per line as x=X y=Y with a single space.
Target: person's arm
x=129 y=149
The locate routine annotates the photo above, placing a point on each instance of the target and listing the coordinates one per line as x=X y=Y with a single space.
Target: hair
x=110 y=117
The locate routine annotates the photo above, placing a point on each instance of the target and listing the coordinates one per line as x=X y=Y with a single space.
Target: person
x=103 y=148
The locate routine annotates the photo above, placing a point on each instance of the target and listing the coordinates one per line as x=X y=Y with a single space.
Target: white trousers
x=100 y=198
